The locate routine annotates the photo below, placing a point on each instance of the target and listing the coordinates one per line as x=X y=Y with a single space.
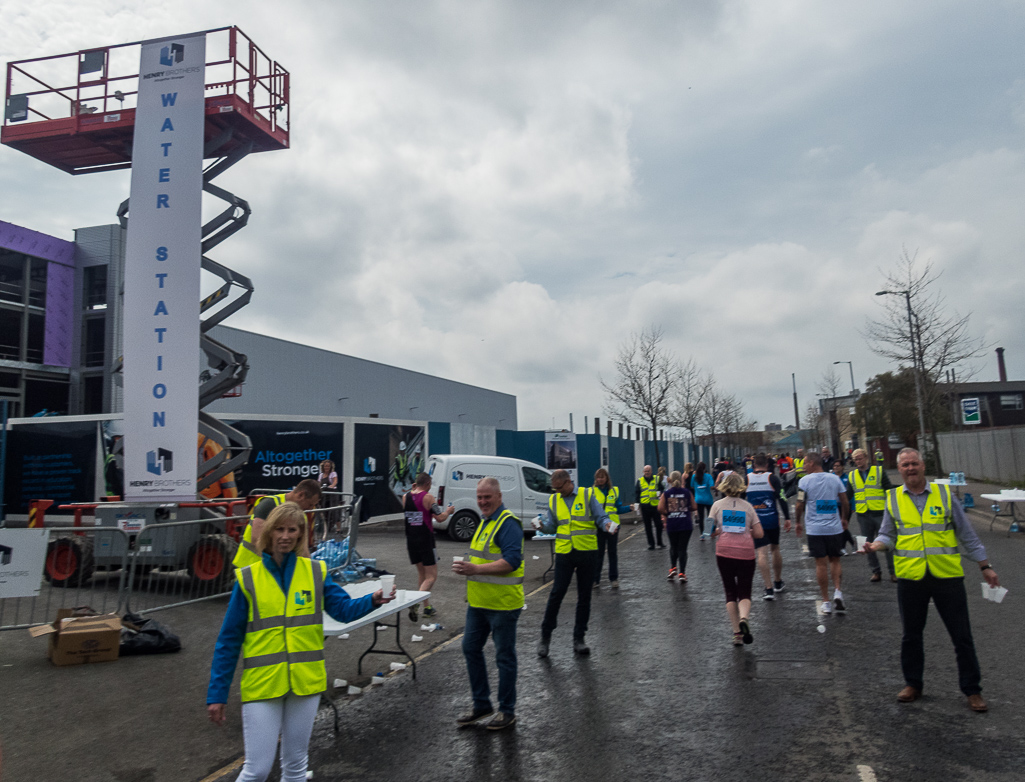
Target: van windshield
x=537 y=480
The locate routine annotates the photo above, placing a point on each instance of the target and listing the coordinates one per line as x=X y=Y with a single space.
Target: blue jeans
x=502 y=627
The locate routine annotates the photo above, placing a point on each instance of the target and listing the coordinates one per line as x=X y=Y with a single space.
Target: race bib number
x=825 y=507
x=414 y=518
x=734 y=521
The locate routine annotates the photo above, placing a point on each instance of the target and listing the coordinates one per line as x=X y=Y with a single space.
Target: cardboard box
x=81 y=639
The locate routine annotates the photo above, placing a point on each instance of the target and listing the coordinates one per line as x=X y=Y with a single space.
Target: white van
x=525 y=489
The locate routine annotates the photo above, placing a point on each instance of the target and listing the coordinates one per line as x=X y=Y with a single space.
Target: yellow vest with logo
x=868 y=492
x=649 y=490
x=495 y=593
x=799 y=467
x=609 y=501
x=927 y=540
x=576 y=529
x=247 y=553
x=284 y=646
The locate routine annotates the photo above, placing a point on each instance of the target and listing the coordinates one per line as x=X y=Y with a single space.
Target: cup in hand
x=457 y=559
x=862 y=540
x=387 y=585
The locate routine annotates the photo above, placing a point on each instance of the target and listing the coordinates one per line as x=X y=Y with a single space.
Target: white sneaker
x=838 y=601
x=827 y=607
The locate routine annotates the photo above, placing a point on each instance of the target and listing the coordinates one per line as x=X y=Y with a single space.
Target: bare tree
x=829 y=384
x=939 y=340
x=692 y=386
x=714 y=412
x=646 y=376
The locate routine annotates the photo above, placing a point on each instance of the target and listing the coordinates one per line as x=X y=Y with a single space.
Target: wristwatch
x=986 y=567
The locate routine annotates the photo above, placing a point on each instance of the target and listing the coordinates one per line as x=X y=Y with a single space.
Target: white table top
x=1002 y=497
x=333 y=627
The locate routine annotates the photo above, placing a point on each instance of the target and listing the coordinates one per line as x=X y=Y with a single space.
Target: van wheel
x=69 y=562
x=463 y=526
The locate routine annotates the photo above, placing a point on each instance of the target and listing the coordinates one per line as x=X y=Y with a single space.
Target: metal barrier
x=84 y=566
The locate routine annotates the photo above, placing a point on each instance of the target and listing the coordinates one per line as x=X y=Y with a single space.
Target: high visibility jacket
x=879 y=457
x=225 y=485
x=247 y=553
x=283 y=649
x=609 y=501
x=799 y=467
x=925 y=540
x=576 y=529
x=495 y=593
x=649 y=489
x=868 y=492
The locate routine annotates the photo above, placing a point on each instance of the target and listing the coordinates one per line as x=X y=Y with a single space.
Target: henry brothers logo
x=169 y=55
x=160 y=461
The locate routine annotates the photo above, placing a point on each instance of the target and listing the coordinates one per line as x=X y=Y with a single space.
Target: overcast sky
x=501 y=192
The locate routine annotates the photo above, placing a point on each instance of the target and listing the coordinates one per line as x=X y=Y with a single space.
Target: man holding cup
x=866 y=491
x=575 y=516
x=494 y=591
x=924 y=523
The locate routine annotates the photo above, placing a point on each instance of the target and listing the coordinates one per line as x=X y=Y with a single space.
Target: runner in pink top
x=736 y=527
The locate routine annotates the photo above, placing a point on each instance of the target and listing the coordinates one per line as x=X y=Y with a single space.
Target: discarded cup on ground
x=354 y=690
x=862 y=540
x=339 y=683
x=821 y=628
x=537 y=557
x=417 y=638
x=343 y=637
x=382 y=627
x=398 y=666
x=387 y=585
x=376 y=680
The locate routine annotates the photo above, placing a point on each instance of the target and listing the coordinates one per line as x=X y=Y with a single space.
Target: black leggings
x=678 y=548
x=737 y=575
x=702 y=512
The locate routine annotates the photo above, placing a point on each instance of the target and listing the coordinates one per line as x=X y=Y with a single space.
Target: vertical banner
x=561 y=452
x=387 y=459
x=162 y=271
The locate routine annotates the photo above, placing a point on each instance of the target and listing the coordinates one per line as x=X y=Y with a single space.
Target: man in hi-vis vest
x=924 y=523
x=866 y=490
x=494 y=591
x=646 y=494
x=575 y=516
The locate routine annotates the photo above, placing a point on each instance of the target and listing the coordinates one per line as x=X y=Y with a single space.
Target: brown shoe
x=876 y=577
x=976 y=703
x=910 y=693
x=893 y=579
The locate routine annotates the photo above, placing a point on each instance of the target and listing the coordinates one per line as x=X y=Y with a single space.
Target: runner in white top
x=822 y=505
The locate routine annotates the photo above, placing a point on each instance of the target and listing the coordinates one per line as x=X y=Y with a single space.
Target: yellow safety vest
x=799 y=467
x=868 y=493
x=924 y=540
x=576 y=529
x=284 y=646
x=247 y=553
x=495 y=593
x=609 y=501
x=649 y=490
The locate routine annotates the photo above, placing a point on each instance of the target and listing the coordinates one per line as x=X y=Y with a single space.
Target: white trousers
x=290 y=717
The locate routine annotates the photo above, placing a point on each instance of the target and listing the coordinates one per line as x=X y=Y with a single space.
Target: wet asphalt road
x=665 y=695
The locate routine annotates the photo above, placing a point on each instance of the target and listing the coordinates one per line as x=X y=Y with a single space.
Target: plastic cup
x=862 y=540
x=400 y=595
x=985 y=591
x=457 y=559
x=387 y=585
x=998 y=594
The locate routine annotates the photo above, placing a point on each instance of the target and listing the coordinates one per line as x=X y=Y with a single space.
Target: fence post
x=37 y=512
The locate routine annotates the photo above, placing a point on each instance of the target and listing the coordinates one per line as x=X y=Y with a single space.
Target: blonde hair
x=674 y=477
x=859 y=450
x=285 y=513
x=732 y=485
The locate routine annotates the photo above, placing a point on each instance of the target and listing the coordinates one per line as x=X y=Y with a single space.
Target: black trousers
x=678 y=548
x=951 y=602
x=610 y=541
x=652 y=519
x=584 y=563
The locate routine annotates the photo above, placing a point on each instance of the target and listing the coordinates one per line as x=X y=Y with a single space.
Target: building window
x=36 y=338
x=10 y=380
x=95 y=331
x=48 y=395
x=1010 y=402
x=10 y=334
x=93 y=402
x=37 y=283
x=12 y=276
x=94 y=283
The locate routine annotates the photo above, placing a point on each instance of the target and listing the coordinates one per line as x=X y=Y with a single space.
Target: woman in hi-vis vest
x=275 y=618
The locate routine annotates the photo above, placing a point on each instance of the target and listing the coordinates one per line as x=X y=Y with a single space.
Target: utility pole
x=797 y=415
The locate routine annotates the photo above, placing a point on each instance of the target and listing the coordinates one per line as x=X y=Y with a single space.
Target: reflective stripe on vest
x=924 y=545
x=868 y=491
x=494 y=593
x=283 y=649
x=576 y=528
x=649 y=490
x=247 y=553
x=610 y=502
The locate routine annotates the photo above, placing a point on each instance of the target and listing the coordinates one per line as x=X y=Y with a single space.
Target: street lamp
x=914 y=361
x=850 y=366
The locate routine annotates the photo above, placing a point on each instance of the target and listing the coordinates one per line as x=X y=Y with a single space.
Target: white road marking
x=866 y=774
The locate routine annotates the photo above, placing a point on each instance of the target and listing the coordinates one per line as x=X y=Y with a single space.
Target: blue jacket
x=337 y=603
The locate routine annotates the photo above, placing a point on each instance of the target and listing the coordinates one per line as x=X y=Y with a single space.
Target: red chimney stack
x=1000 y=365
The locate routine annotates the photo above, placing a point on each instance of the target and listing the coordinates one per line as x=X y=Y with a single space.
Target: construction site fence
x=160 y=566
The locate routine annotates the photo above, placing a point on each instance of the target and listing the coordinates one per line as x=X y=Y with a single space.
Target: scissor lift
x=76 y=112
